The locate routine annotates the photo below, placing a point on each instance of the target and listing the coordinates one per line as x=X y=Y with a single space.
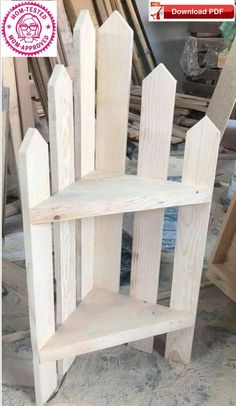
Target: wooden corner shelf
x=84 y=191
x=102 y=193
x=105 y=319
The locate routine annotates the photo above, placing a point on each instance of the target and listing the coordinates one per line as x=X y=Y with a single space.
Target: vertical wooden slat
x=201 y=151
x=35 y=187
x=157 y=112
x=61 y=134
x=115 y=41
x=24 y=94
x=137 y=64
x=4 y=151
x=9 y=80
x=84 y=97
x=140 y=34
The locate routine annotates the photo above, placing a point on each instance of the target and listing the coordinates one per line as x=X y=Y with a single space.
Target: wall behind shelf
x=166 y=40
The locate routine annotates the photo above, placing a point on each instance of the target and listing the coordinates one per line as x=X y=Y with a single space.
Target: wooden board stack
x=143 y=59
x=20 y=116
x=209 y=39
x=41 y=68
x=188 y=111
x=98 y=198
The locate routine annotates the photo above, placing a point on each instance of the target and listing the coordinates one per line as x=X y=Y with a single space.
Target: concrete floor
x=124 y=376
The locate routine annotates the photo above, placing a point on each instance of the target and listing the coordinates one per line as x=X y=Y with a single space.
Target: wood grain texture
x=84 y=96
x=61 y=135
x=103 y=193
x=199 y=169
x=158 y=100
x=105 y=319
x=84 y=93
x=9 y=80
x=115 y=41
x=35 y=186
x=224 y=97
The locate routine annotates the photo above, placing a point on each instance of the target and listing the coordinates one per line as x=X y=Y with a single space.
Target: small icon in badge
x=159 y=13
x=28 y=28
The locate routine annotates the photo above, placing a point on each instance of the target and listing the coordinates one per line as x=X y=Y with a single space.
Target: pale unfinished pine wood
x=138 y=71
x=84 y=96
x=103 y=193
x=106 y=319
x=9 y=80
x=115 y=41
x=198 y=169
x=61 y=135
x=224 y=97
x=35 y=186
x=154 y=151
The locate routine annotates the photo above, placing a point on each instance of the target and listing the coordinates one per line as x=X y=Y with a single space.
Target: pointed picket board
x=61 y=135
x=115 y=41
x=200 y=159
x=35 y=187
x=84 y=97
x=158 y=99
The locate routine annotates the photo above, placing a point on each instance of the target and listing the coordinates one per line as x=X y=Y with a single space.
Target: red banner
x=203 y=11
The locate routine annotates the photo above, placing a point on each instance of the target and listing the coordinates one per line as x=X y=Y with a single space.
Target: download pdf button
x=209 y=12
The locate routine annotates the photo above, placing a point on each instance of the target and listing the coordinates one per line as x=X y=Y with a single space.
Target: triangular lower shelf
x=105 y=319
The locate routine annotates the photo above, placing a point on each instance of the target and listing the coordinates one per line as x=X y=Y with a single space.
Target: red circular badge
x=29 y=28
